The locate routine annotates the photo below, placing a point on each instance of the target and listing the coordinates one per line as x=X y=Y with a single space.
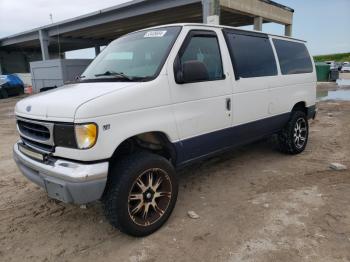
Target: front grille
x=38 y=146
x=36 y=134
x=34 y=131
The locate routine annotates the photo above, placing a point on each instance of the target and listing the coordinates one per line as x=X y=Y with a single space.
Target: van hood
x=62 y=103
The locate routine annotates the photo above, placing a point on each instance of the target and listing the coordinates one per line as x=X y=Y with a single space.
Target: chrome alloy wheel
x=149 y=197
x=300 y=133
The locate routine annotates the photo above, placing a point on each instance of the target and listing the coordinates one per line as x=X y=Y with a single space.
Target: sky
x=323 y=23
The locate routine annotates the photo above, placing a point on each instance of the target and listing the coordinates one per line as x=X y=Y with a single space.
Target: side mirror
x=190 y=71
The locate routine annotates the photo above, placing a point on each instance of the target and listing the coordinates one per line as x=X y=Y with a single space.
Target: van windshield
x=135 y=57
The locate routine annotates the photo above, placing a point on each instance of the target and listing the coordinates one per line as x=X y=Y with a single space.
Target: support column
x=44 y=44
x=211 y=11
x=258 y=22
x=97 y=50
x=288 y=30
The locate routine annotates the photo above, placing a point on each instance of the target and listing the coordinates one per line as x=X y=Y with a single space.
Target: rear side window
x=251 y=55
x=293 y=57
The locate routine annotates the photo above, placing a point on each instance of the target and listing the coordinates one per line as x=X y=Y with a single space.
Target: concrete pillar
x=288 y=30
x=44 y=44
x=258 y=22
x=211 y=11
x=97 y=50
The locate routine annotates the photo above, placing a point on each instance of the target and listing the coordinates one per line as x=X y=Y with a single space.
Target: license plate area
x=57 y=190
x=30 y=153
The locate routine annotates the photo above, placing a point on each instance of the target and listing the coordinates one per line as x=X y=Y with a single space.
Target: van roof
x=222 y=27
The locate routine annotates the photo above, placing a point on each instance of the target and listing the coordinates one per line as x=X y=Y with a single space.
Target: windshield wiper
x=118 y=74
x=80 y=77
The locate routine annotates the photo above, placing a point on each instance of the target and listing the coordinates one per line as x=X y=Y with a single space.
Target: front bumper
x=67 y=181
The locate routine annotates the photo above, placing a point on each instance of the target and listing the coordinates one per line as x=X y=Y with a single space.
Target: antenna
x=58 y=36
x=58 y=41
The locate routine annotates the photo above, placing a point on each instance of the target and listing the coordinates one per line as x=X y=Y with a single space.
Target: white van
x=157 y=100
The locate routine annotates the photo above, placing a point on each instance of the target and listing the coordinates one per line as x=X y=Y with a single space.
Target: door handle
x=228 y=104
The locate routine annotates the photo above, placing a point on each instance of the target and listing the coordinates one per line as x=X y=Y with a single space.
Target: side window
x=204 y=48
x=293 y=57
x=252 y=56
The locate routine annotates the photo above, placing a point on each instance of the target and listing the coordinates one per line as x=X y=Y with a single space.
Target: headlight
x=86 y=135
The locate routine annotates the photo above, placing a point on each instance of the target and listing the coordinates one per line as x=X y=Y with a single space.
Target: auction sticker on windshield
x=155 y=33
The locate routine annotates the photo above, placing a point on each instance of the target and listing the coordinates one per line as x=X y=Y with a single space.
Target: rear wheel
x=294 y=136
x=3 y=93
x=141 y=193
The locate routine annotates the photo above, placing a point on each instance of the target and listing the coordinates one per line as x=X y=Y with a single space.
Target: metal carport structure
x=99 y=28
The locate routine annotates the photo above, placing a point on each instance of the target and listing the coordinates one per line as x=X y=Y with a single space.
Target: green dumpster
x=322 y=71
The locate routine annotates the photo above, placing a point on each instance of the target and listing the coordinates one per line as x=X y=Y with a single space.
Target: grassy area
x=333 y=57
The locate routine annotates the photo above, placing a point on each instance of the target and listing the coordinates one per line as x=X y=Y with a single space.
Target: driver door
x=202 y=108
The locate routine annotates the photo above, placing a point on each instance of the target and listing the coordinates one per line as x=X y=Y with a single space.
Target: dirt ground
x=254 y=203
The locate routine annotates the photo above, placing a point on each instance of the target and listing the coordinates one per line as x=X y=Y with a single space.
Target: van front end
x=66 y=180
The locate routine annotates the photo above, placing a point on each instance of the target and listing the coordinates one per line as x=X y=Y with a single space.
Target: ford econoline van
x=157 y=100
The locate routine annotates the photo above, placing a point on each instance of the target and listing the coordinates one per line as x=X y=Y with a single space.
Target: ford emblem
x=28 y=108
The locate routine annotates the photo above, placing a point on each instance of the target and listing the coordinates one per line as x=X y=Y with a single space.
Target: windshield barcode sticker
x=155 y=34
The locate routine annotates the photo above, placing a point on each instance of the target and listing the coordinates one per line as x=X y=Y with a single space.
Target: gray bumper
x=67 y=181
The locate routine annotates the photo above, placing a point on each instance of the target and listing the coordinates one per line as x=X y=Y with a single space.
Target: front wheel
x=294 y=136
x=141 y=193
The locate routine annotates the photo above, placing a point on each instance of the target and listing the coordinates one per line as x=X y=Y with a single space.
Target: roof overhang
x=101 y=27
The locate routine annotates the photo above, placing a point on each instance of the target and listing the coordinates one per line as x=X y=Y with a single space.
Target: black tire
x=3 y=93
x=288 y=136
x=123 y=178
x=21 y=90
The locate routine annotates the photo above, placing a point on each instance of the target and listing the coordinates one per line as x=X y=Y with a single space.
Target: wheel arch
x=157 y=142
x=300 y=106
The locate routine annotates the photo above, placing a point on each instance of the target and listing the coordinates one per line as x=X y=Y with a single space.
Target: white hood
x=61 y=104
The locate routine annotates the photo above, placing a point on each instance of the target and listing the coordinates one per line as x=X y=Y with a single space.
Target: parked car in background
x=333 y=64
x=10 y=85
x=155 y=101
x=345 y=68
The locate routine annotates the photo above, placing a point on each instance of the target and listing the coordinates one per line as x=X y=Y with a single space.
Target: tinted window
x=293 y=57
x=204 y=49
x=252 y=56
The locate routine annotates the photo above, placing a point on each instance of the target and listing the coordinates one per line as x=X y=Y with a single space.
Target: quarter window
x=293 y=57
x=251 y=55
x=205 y=49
